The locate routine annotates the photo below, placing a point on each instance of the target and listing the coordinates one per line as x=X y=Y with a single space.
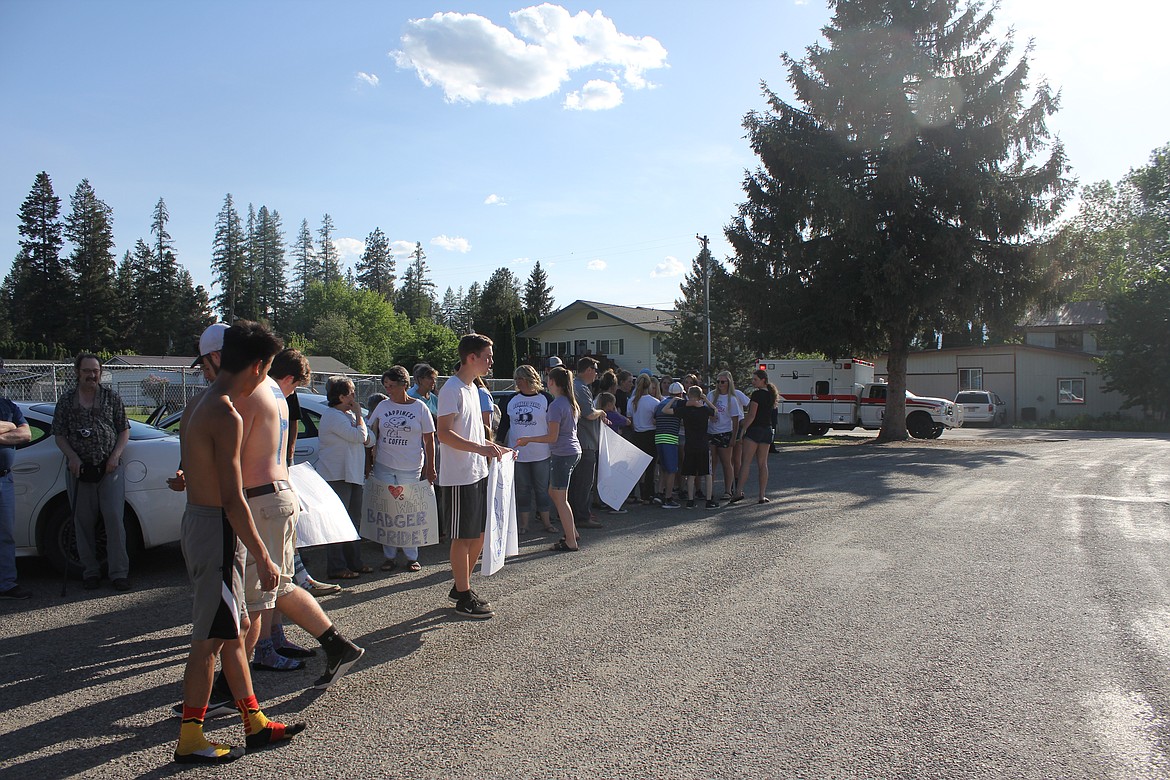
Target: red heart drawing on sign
x=396 y=491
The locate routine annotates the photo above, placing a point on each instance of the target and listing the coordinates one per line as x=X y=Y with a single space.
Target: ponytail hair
x=563 y=379
x=760 y=373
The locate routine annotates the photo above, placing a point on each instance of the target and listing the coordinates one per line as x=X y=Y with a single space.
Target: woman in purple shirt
x=564 y=449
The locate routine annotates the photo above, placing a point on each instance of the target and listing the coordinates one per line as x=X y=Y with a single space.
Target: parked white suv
x=983 y=407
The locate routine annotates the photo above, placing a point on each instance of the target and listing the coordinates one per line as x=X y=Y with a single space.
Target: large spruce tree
x=93 y=322
x=732 y=345
x=268 y=267
x=227 y=259
x=329 y=258
x=306 y=266
x=375 y=269
x=900 y=194
x=416 y=297
x=41 y=280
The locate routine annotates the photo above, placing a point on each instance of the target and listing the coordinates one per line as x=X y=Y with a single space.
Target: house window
x=1070 y=339
x=591 y=315
x=611 y=346
x=655 y=345
x=556 y=348
x=1070 y=391
x=970 y=378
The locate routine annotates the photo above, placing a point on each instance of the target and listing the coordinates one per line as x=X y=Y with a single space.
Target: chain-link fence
x=145 y=388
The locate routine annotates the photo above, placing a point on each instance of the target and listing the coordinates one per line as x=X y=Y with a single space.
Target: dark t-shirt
x=694 y=420
x=763 y=401
x=9 y=412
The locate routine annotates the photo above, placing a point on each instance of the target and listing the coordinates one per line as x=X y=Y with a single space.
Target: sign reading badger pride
x=400 y=515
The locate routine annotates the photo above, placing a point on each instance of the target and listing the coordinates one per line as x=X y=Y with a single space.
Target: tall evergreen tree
x=89 y=227
x=41 y=281
x=159 y=320
x=227 y=260
x=900 y=196
x=450 y=308
x=500 y=308
x=416 y=297
x=306 y=266
x=685 y=347
x=375 y=269
x=330 y=259
x=248 y=304
x=135 y=282
x=538 y=298
x=471 y=309
x=271 y=287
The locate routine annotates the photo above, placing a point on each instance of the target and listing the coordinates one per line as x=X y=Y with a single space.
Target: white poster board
x=619 y=467
x=500 y=537
x=400 y=515
x=323 y=519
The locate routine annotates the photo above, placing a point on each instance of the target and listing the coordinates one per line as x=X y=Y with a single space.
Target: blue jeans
x=394 y=477
x=532 y=479
x=7 y=541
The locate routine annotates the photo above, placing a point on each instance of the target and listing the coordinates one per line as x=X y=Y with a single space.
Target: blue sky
x=597 y=139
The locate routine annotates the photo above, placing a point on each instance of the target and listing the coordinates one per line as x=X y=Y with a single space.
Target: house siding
x=583 y=334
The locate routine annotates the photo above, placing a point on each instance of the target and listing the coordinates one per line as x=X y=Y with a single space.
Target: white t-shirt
x=726 y=407
x=528 y=416
x=457 y=467
x=401 y=428
x=642 y=412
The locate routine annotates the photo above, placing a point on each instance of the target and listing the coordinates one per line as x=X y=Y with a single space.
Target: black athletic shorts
x=465 y=508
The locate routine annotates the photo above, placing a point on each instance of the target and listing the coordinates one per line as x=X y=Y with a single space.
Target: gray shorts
x=215 y=566
x=275 y=516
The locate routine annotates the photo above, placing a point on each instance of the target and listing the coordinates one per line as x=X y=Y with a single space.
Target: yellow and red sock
x=258 y=729
x=191 y=739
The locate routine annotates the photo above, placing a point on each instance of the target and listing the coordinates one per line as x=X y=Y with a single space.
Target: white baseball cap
x=210 y=341
x=676 y=388
x=554 y=361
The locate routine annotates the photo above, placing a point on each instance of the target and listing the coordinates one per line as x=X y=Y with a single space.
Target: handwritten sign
x=323 y=518
x=500 y=537
x=400 y=515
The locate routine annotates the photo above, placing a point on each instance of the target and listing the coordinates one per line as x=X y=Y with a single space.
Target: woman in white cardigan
x=342 y=437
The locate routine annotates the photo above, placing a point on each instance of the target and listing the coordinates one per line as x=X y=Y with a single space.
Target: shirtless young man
x=275 y=506
x=217 y=529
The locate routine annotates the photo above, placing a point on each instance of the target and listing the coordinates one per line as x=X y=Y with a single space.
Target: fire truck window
x=822 y=388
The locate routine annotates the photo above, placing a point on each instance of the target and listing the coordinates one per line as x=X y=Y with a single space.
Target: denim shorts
x=668 y=457
x=562 y=470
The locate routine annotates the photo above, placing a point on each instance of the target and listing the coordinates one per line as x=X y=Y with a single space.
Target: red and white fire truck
x=842 y=395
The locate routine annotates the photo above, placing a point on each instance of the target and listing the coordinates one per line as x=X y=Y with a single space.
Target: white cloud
x=596 y=265
x=472 y=59
x=668 y=267
x=451 y=244
x=596 y=95
x=367 y=78
x=349 y=250
x=401 y=249
x=494 y=200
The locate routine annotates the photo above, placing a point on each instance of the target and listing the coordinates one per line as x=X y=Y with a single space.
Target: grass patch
x=1104 y=422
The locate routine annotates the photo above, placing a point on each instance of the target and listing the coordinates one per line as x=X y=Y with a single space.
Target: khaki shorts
x=275 y=516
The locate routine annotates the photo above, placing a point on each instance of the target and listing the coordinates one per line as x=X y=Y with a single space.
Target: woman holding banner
x=564 y=449
x=402 y=432
x=342 y=436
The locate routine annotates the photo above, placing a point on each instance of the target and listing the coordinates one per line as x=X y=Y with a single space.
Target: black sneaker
x=455 y=595
x=657 y=499
x=337 y=665
x=15 y=593
x=712 y=504
x=670 y=504
x=690 y=503
x=471 y=607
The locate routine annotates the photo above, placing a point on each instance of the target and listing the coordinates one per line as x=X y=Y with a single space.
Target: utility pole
x=703 y=240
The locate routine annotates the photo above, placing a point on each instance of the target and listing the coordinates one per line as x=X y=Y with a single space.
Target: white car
x=982 y=406
x=312 y=407
x=44 y=522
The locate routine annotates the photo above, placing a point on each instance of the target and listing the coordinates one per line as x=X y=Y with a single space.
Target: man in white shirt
x=463 y=469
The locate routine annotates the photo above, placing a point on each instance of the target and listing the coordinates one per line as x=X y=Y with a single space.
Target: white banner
x=500 y=536
x=323 y=519
x=619 y=467
x=400 y=515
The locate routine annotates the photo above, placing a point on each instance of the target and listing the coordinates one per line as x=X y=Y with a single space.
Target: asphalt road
x=992 y=604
